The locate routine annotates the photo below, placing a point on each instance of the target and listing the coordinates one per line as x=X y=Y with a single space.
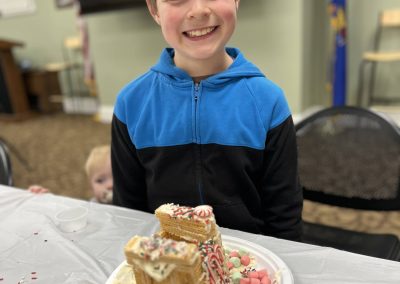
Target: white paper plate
x=264 y=258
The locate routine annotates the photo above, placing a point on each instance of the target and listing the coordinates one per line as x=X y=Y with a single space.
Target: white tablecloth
x=34 y=250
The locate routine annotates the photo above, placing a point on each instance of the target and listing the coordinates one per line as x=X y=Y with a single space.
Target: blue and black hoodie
x=228 y=142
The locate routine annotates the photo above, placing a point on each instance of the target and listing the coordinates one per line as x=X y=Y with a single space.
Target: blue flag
x=338 y=23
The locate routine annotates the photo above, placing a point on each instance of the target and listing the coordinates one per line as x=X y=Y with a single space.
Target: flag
x=338 y=23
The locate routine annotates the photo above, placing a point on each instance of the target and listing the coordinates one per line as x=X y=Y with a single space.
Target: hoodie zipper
x=196 y=101
x=197 y=145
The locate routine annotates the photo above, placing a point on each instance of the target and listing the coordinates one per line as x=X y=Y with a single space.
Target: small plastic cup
x=72 y=219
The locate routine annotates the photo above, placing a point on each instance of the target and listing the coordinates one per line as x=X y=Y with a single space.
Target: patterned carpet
x=55 y=148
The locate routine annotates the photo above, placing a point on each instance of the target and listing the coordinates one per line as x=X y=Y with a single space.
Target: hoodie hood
x=240 y=67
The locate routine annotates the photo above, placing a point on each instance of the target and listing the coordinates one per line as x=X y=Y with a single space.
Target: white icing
x=157 y=270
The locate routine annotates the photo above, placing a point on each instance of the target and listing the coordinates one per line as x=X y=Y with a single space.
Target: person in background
x=38 y=189
x=98 y=172
x=205 y=126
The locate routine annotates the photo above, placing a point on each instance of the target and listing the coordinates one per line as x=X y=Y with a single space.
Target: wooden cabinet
x=13 y=99
x=44 y=90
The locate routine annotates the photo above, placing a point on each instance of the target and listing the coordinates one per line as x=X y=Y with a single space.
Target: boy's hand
x=37 y=189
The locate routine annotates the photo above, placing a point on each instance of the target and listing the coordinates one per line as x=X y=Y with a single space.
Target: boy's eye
x=99 y=180
x=174 y=1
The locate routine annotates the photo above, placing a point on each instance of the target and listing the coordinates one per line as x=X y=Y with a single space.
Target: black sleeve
x=129 y=176
x=282 y=196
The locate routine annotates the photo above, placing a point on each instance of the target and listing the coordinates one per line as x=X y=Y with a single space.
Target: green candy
x=235 y=261
x=243 y=252
x=236 y=276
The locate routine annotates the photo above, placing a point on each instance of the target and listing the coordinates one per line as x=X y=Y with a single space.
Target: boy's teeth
x=200 y=32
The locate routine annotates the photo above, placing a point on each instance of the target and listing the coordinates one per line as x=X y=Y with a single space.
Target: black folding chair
x=350 y=157
x=5 y=165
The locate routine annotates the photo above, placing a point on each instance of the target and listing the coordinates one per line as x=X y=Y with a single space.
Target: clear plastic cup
x=72 y=219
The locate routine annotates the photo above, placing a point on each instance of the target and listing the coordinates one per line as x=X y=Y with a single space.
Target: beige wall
x=126 y=44
x=363 y=19
x=288 y=40
x=42 y=32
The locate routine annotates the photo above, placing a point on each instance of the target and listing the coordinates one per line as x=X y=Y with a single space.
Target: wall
x=125 y=44
x=42 y=32
x=363 y=21
x=316 y=42
x=270 y=35
x=288 y=40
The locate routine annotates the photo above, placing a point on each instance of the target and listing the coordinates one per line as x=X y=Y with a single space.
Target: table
x=33 y=249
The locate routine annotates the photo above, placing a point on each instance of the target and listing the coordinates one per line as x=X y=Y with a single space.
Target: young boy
x=98 y=171
x=204 y=126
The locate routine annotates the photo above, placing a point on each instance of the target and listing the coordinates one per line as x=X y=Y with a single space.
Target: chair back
x=5 y=165
x=350 y=157
x=390 y=18
x=387 y=20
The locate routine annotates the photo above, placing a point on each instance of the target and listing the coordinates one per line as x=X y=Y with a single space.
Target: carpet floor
x=54 y=149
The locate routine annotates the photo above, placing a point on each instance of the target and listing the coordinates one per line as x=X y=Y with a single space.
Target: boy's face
x=196 y=29
x=101 y=183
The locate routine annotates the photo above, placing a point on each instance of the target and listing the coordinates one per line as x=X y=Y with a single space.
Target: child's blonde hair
x=97 y=158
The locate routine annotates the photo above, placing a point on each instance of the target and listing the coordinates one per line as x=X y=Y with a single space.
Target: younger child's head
x=198 y=30
x=98 y=171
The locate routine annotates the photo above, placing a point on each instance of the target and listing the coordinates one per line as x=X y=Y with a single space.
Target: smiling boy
x=205 y=126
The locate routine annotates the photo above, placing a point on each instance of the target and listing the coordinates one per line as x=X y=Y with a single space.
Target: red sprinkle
x=33 y=272
x=35 y=233
x=34 y=278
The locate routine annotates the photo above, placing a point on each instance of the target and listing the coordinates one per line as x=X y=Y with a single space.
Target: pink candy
x=245 y=260
x=203 y=211
x=265 y=280
x=252 y=274
x=230 y=265
x=262 y=273
x=256 y=277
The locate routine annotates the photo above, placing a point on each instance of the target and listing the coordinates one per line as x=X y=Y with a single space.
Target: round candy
x=203 y=211
x=234 y=253
x=229 y=265
x=235 y=261
x=253 y=274
x=245 y=260
x=262 y=273
x=243 y=252
x=236 y=276
x=265 y=280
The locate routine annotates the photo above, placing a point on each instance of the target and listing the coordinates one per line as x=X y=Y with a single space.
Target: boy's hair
x=97 y=158
x=153 y=3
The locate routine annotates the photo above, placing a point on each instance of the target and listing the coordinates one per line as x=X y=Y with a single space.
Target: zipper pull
x=196 y=91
